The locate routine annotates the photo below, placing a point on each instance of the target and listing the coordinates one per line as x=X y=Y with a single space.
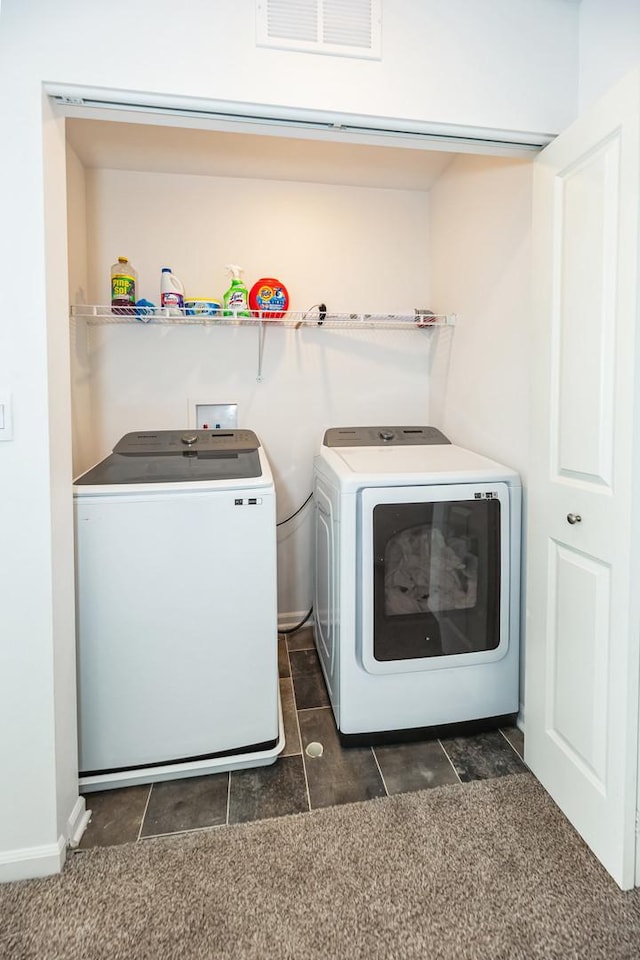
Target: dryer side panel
x=326 y=621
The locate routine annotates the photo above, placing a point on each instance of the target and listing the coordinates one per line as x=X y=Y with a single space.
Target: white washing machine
x=176 y=609
x=417 y=578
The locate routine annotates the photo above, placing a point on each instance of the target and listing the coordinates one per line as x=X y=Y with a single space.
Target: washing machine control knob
x=386 y=435
x=189 y=438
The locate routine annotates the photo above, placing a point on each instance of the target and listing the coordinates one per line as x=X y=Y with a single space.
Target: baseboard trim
x=30 y=862
x=77 y=822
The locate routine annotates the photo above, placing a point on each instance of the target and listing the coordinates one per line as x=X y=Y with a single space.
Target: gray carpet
x=489 y=869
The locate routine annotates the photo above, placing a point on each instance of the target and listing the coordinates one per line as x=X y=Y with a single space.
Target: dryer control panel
x=383 y=436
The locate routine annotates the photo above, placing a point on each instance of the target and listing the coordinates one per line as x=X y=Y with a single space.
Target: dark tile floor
x=297 y=782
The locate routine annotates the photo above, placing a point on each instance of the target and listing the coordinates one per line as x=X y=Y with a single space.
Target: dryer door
x=435 y=575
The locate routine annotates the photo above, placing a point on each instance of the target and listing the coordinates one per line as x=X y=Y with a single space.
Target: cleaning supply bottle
x=171 y=292
x=235 y=299
x=123 y=286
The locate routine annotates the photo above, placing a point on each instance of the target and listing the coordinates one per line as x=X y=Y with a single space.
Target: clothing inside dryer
x=436 y=578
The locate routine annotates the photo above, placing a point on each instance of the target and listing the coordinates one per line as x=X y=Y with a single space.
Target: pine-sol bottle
x=123 y=287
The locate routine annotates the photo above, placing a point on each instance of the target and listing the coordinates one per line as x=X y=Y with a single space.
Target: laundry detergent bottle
x=235 y=301
x=171 y=292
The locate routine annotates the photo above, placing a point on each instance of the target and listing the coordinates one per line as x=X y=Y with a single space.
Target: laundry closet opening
x=363 y=228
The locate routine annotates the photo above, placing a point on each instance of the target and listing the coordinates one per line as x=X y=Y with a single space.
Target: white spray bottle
x=235 y=302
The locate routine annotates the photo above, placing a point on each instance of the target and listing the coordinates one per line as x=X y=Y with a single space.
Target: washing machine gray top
x=168 y=456
x=382 y=436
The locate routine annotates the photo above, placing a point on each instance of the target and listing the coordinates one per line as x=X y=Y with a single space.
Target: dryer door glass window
x=436 y=578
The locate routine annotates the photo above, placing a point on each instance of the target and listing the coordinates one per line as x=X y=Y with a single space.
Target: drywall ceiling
x=164 y=149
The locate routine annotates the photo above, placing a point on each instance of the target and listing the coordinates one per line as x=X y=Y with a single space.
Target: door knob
x=574 y=518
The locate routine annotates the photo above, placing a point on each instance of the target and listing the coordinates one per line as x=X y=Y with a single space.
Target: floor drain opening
x=314 y=749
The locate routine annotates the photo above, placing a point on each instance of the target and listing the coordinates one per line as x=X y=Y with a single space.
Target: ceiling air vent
x=346 y=28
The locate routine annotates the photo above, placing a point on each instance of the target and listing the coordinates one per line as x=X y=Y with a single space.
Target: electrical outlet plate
x=214 y=416
x=6 y=416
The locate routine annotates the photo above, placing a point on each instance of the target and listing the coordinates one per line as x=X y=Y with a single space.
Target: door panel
x=586 y=203
x=583 y=618
x=578 y=658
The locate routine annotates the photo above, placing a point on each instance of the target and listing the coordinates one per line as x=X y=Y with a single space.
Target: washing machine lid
x=182 y=456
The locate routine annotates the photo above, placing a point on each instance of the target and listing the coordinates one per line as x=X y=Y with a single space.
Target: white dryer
x=176 y=608
x=417 y=599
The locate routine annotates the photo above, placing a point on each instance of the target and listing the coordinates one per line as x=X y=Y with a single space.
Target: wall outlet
x=216 y=416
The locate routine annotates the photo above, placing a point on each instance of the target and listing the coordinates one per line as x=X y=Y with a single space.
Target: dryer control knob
x=386 y=435
x=189 y=438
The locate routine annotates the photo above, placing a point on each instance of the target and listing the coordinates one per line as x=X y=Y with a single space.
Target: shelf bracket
x=261 y=332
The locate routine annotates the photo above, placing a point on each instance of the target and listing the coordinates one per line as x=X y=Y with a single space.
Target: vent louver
x=347 y=28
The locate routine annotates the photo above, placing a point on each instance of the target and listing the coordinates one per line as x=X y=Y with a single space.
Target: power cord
x=286 y=519
x=287 y=633
x=322 y=314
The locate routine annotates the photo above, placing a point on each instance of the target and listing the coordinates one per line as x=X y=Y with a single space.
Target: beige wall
x=357 y=249
x=481 y=265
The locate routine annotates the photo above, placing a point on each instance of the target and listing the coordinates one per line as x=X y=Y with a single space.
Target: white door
x=583 y=593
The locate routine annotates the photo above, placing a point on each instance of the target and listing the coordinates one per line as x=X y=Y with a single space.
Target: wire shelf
x=97 y=315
